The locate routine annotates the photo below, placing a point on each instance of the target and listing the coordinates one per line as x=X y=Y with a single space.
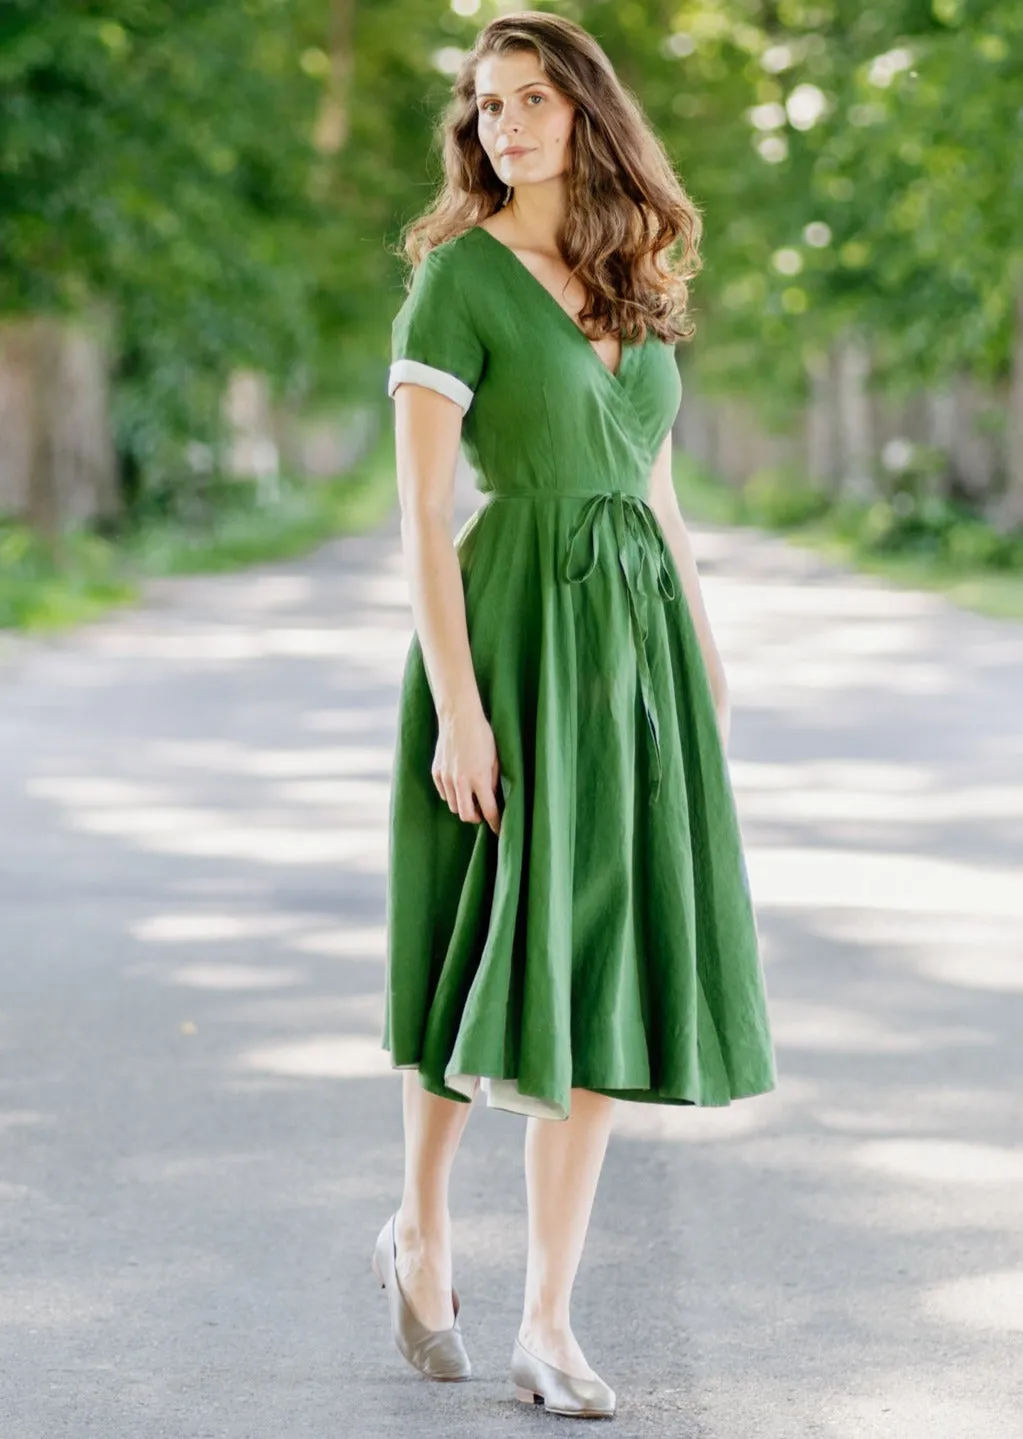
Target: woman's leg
x=563 y=1164
x=433 y=1129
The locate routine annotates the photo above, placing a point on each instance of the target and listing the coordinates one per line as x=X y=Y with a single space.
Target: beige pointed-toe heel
x=436 y=1353
x=537 y=1382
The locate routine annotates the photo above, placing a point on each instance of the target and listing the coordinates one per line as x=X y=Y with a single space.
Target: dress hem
x=504 y=1093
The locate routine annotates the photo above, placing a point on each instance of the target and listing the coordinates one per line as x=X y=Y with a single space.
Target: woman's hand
x=465 y=768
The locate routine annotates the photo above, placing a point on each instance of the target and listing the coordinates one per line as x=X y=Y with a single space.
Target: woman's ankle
x=546 y=1306
x=428 y=1238
x=554 y=1343
x=544 y=1327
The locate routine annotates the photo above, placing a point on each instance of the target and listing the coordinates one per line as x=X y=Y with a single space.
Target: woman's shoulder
x=447 y=274
x=438 y=326
x=455 y=252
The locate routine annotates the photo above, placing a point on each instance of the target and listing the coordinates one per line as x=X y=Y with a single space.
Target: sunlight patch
x=980 y=1301
x=211 y=928
x=813 y=879
x=920 y=1414
x=322 y=1056
x=843 y=1030
x=234 y=977
x=368 y=943
x=942 y=1161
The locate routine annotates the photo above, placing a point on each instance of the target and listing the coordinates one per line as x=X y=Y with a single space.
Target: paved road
x=199 y=1142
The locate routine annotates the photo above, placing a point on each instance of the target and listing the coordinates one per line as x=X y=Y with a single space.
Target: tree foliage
x=169 y=165
x=156 y=163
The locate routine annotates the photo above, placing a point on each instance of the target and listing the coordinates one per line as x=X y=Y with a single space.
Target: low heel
x=537 y=1382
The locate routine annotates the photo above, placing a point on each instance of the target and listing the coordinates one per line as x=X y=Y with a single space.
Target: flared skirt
x=606 y=938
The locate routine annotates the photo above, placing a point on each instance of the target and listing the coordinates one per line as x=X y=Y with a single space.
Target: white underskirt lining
x=501 y=1094
x=504 y=1094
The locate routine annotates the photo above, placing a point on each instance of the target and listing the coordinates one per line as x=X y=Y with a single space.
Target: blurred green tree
x=157 y=162
x=224 y=180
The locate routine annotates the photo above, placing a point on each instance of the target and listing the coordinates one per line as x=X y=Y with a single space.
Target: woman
x=569 y=918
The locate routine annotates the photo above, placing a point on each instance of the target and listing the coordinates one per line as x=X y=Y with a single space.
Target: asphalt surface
x=200 y=1138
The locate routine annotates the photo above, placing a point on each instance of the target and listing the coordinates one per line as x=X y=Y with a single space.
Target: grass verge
x=232 y=525
x=940 y=549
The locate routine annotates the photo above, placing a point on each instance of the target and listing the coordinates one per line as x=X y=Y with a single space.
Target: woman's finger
x=447 y=790
x=466 y=802
x=487 y=801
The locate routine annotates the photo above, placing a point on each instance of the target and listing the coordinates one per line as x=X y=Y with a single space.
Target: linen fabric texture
x=606 y=939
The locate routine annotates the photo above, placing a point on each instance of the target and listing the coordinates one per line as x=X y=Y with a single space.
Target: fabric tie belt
x=643 y=565
x=644 y=568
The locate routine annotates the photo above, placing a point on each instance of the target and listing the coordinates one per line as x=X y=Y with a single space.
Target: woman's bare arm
x=428 y=428
x=664 y=503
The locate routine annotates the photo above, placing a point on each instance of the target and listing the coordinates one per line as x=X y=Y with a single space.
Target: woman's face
x=524 y=124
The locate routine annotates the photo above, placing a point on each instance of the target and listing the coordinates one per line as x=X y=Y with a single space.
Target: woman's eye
x=488 y=106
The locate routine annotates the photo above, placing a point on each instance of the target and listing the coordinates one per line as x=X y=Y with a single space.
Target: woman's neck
x=536 y=213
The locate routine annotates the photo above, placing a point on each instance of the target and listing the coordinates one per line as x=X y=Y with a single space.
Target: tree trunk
x=1012 y=508
x=855 y=420
x=820 y=421
x=695 y=429
x=57 y=465
x=332 y=125
x=44 y=499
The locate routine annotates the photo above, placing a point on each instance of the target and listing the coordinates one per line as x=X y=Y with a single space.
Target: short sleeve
x=434 y=341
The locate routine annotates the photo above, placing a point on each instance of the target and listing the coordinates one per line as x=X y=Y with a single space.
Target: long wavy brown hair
x=630 y=233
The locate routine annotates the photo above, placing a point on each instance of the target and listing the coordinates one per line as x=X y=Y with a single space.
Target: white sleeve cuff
x=414 y=372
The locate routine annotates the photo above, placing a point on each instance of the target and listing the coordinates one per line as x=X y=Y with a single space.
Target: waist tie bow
x=645 y=570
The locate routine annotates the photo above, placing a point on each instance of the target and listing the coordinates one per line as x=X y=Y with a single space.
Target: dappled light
x=976 y=951
x=321 y=1056
x=339 y=721
x=343 y=943
x=207 y=928
x=892 y=1405
x=258 y=837
x=205 y=622
x=821 y=879
x=834 y=1030
x=220 y=830
x=944 y=1162
x=979 y=1301
x=233 y=977
x=216 y=644
x=278 y=764
x=670 y=1124
x=997 y=973
x=820 y=791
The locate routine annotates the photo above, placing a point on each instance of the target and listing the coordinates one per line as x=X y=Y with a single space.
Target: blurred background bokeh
x=200 y=205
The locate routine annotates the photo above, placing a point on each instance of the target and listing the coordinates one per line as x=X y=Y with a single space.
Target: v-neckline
x=615 y=376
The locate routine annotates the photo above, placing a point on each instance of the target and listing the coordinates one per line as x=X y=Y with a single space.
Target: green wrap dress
x=606 y=938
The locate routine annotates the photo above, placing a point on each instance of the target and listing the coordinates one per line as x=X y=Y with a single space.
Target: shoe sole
x=527 y=1396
